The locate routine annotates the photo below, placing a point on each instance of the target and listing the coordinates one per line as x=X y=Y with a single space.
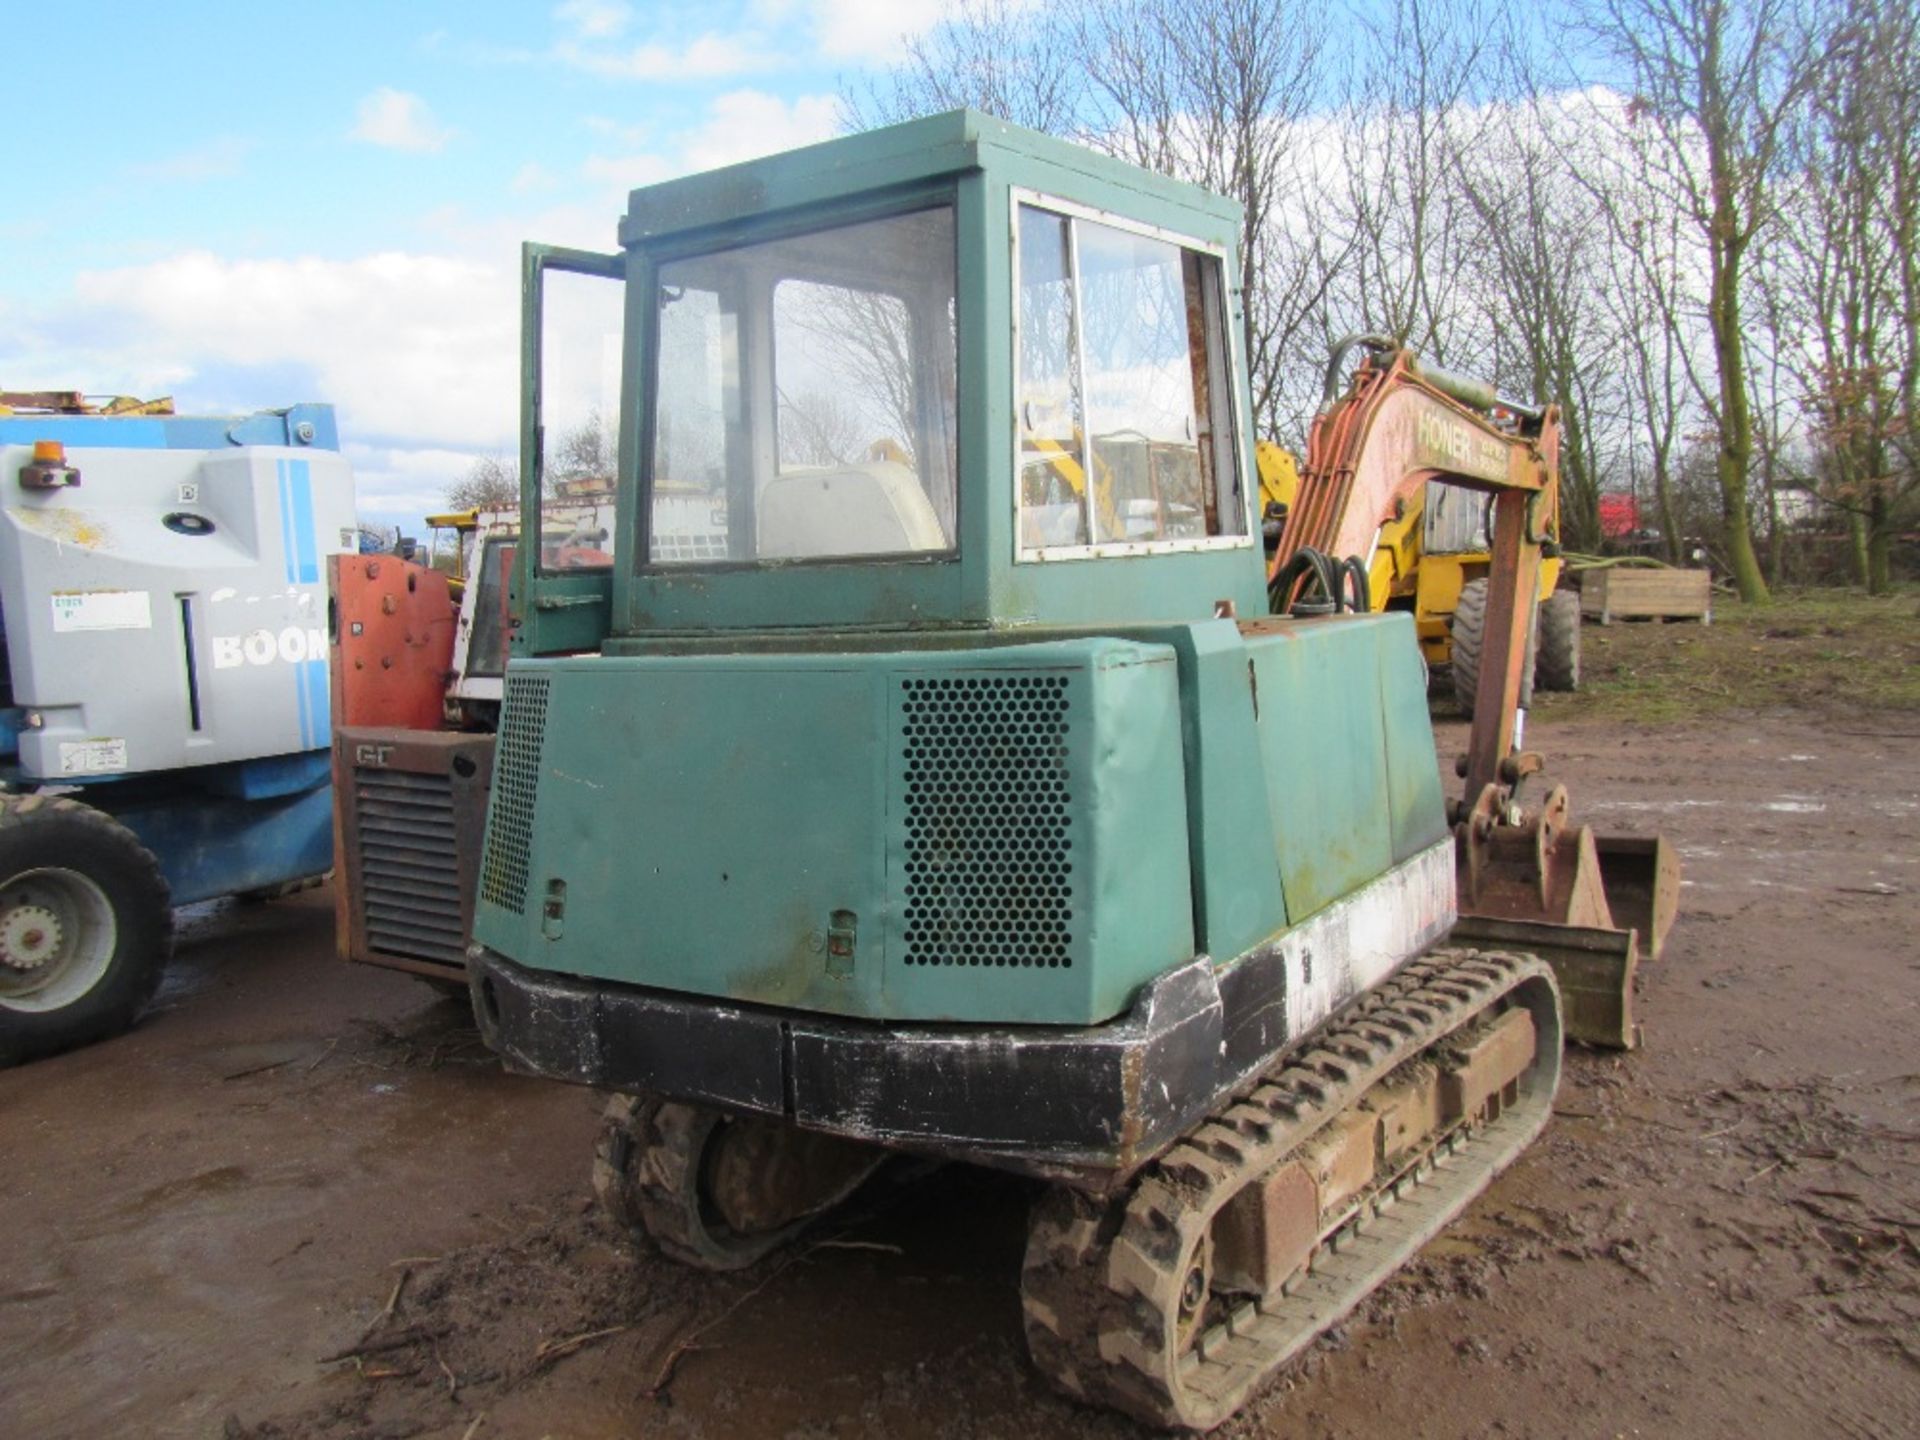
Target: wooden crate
x=1636 y=593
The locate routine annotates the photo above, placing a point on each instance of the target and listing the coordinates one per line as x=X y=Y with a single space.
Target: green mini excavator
x=891 y=791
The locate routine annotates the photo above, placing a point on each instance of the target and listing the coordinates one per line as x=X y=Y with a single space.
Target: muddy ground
x=1716 y=1237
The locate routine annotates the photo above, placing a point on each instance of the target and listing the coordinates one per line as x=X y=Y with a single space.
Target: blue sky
x=249 y=205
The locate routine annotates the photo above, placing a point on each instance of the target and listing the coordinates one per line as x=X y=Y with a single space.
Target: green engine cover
x=1017 y=834
x=974 y=835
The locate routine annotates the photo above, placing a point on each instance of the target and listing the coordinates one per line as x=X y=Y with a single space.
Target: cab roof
x=915 y=153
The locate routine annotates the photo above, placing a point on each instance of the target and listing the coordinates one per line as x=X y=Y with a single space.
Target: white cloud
x=709 y=57
x=532 y=177
x=871 y=30
x=746 y=124
x=625 y=172
x=400 y=485
x=631 y=136
x=215 y=160
x=422 y=349
x=418 y=348
x=594 y=19
x=398 y=120
x=739 y=125
x=494 y=236
x=755 y=37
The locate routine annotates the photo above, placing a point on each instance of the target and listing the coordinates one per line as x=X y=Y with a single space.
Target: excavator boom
x=1527 y=876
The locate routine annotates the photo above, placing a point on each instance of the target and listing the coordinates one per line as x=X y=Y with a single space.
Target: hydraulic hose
x=1343 y=585
x=1337 y=361
x=1310 y=564
x=1353 y=573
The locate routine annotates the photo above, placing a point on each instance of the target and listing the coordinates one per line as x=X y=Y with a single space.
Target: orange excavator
x=1528 y=877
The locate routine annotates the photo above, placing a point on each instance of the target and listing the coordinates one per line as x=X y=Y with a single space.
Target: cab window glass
x=1124 y=407
x=1456 y=519
x=581 y=322
x=805 y=397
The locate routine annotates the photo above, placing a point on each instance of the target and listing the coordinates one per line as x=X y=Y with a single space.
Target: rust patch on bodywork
x=65 y=527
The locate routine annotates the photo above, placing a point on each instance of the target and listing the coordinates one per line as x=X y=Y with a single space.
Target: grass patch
x=1825 y=650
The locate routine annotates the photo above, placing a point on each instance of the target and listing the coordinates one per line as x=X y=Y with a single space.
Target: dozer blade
x=1595 y=967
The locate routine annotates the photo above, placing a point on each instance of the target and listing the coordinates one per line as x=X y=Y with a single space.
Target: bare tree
x=851 y=373
x=1851 y=276
x=1776 y=416
x=1536 y=261
x=1649 y=262
x=1412 y=125
x=1612 y=240
x=1659 y=395
x=817 y=428
x=1001 y=56
x=583 y=452
x=491 y=483
x=1716 y=83
x=1213 y=94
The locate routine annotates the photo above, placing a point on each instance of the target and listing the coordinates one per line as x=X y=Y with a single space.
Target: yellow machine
x=1432 y=557
x=449 y=539
x=1142 y=489
x=75 y=402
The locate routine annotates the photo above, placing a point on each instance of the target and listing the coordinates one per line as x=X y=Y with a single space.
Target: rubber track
x=1102 y=1279
x=643 y=1169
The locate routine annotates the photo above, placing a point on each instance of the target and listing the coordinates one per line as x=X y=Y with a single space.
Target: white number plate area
x=102 y=610
x=92 y=757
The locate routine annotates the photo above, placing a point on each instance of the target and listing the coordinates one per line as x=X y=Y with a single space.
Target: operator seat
x=872 y=509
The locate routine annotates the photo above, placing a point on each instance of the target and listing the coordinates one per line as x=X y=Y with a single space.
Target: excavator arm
x=1527 y=876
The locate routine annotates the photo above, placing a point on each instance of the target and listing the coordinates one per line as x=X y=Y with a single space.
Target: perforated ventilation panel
x=989 y=833
x=516 y=775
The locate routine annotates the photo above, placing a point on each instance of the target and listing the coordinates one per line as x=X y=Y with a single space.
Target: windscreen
x=805 y=397
x=1456 y=522
x=581 y=327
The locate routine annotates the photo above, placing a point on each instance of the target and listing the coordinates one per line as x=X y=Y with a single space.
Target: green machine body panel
x=1331 y=715
x=1003 y=834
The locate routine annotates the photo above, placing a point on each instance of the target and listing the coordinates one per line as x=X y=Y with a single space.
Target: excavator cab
x=831 y=570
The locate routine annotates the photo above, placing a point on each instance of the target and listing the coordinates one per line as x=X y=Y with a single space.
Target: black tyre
x=1468 y=637
x=1558 y=665
x=86 y=926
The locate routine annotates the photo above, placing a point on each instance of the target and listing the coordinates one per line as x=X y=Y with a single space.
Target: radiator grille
x=989 y=832
x=516 y=776
x=409 y=864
